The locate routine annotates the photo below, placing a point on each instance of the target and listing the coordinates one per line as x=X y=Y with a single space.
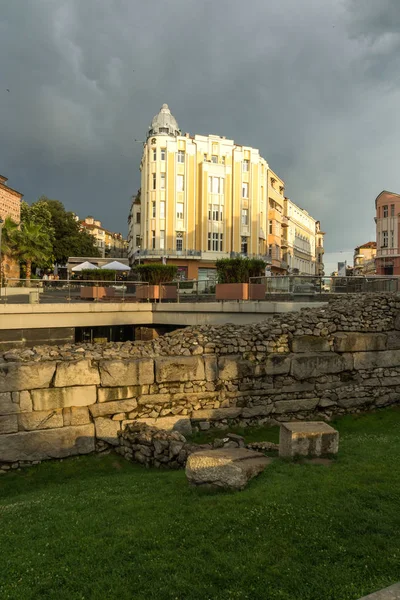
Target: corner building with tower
x=203 y=198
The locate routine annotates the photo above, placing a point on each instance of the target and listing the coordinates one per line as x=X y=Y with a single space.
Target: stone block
x=40 y=419
x=387 y=381
x=250 y=412
x=310 y=343
x=26 y=376
x=113 y=408
x=118 y=393
x=7 y=406
x=276 y=364
x=79 y=372
x=25 y=401
x=376 y=360
x=301 y=404
x=154 y=399
x=393 y=340
x=47 y=443
x=234 y=367
x=107 y=430
x=313 y=439
x=181 y=424
x=64 y=397
x=179 y=368
x=216 y=414
x=305 y=366
x=117 y=373
x=76 y=415
x=230 y=468
x=211 y=367
x=359 y=342
x=355 y=401
x=8 y=424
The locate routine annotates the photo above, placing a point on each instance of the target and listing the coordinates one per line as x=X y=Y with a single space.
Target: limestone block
x=375 y=360
x=63 y=397
x=26 y=376
x=76 y=415
x=393 y=340
x=118 y=393
x=355 y=401
x=305 y=366
x=313 y=439
x=179 y=368
x=289 y=406
x=181 y=424
x=276 y=364
x=7 y=406
x=359 y=342
x=155 y=399
x=210 y=367
x=8 y=424
x=112 y=408
x=40 y=419
x=256 y=411
x=107 y=430
x=47 y=443
x=117 y=373
x=230 y=468
x=387 y=381
x=77 y=372
x=216 y=414
x=310 y=343
x=25 y=401
x=234 y=367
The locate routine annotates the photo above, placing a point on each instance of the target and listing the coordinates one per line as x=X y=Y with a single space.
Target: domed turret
x=164 y=123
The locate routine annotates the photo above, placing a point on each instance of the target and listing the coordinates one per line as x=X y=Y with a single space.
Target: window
x=216 y=185
x=162 y=181
x=246 y=166
x=181 y=156
x=385 y=211
x=392 y=210
x=384 y=239
x=154 y=153
x=163 y=153
x=162 y=240
x=209 y=242
x=153 y=210
x=270 y=250
x=245 y=190
x=244 y=245
x=214 y=158
x=179 y=241
x=138 y=218
x=223 y=159
x=205 y=157
x=215 y=237
x=179 y=183
x=154 y=181
x=179 y=210
x=245 y=216
x=164 y=129
x=392 y=239
x=270 y=227
x=153 y=239
x=138 y=241
x=220 y=242
x=215 y=212
x=162 y=210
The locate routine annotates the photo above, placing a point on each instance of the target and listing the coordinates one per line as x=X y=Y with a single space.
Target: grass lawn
x=98 y=527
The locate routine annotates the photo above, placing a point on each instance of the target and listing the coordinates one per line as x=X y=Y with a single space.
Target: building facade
x=10 y=206
x=364 y=259
x=203 y=198
x=303 y=241
x=109 y=244
x=387 y=206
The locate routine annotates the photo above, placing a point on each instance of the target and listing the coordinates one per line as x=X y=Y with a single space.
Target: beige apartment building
x=203 y=198
x=303 y=241
x=109 y=244
x=364 y=259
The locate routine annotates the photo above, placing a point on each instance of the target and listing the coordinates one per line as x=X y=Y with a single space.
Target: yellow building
x=109 y=243
x=364 y=259
x=204 y=198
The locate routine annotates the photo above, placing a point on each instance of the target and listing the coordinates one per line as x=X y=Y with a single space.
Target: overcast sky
x=314 y=84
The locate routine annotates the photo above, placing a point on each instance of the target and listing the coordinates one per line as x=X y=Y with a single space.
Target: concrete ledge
x=390 y=593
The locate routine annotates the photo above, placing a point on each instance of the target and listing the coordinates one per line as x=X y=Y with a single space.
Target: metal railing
x=168 y=252
x=311 y=285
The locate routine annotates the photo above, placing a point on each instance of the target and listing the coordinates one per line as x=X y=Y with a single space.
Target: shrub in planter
x=97 y=274
x=233 y=276
x=155 y=273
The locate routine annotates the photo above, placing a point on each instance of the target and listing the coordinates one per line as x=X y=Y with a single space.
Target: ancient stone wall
x=57 y=402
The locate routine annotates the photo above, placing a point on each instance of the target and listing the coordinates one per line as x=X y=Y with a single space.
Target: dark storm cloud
x=301 y=81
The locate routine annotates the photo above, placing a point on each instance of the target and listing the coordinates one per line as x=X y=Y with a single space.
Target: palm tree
x=33 y=245
x=8 y=242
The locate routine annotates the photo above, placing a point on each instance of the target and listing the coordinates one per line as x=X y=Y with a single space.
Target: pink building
x=387 y=259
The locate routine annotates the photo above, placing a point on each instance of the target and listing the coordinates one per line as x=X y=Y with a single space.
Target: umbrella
x=84 y=265
x=116 y=266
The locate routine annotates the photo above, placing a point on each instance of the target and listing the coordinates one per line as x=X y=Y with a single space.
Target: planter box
x=257 y=291
x=95 y=293
x=152 y=292
x=232 y=291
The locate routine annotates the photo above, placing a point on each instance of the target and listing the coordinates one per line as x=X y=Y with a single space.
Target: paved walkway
x=390 y=593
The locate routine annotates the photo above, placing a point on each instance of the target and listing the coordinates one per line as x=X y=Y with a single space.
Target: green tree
x=34 y=245
x=8 y=242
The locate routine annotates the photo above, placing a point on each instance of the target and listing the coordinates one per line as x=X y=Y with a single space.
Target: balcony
x=284 y=243
x=285 y=222
x=320 y=250
x=168 y=253
x=385 y=251
x=265 y=257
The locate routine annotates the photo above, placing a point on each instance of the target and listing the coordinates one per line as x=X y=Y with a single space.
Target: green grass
x=98 y=527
